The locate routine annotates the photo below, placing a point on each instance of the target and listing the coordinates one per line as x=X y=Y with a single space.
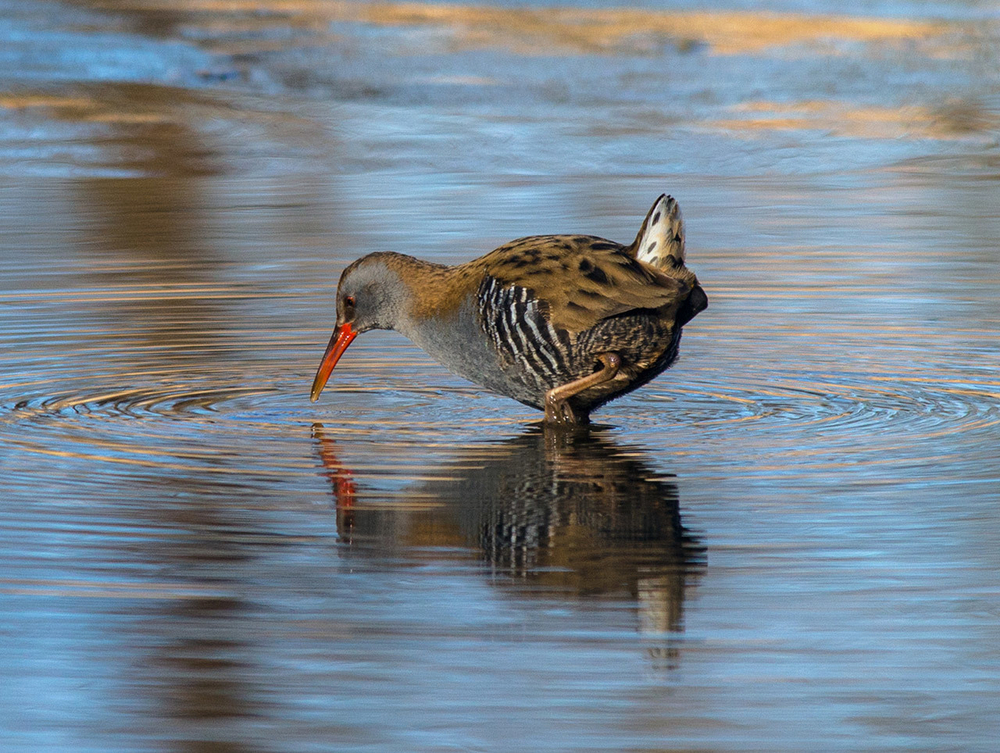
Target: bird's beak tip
x=342 y=337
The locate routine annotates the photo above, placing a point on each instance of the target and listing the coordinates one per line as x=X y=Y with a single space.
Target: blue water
x=789 y=541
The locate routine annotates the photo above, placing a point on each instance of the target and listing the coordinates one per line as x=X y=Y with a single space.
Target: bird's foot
x=557 y=408
x=560 y=412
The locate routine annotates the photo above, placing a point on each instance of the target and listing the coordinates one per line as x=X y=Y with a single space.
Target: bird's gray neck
x=390 y=298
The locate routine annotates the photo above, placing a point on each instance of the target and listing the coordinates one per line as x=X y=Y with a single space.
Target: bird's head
x=371 y=295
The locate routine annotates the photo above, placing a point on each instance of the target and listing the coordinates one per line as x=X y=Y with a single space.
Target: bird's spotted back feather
x=581 y=279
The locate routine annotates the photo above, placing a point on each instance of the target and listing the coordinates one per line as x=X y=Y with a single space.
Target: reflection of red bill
x=344 y=488
x=342 y=337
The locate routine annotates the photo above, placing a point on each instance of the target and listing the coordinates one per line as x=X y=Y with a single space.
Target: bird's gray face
x=369 y=296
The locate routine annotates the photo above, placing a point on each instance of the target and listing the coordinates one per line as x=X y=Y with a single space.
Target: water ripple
x=861 y=418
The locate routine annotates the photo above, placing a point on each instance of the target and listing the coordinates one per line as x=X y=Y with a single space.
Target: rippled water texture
x=789 y=541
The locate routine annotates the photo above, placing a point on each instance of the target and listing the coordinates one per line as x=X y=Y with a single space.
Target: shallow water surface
x=789 y=541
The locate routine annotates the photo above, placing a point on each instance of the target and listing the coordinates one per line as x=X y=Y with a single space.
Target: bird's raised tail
x=660 y=242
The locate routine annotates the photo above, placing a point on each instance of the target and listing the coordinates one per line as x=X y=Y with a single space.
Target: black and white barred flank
x=521 y=334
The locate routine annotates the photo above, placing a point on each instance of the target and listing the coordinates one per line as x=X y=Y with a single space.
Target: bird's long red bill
x=342 y=337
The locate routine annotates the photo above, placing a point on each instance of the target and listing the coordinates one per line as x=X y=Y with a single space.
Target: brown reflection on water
x=198 y=675
x=951 y=119
x=540 y=30
x=147 y=128
x=147 y=237
x=551 y=512
x=543 y=31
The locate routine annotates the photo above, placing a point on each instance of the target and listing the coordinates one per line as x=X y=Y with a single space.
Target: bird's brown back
x=582 y=278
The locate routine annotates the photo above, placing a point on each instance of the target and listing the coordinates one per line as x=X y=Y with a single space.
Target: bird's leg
x=558 y=410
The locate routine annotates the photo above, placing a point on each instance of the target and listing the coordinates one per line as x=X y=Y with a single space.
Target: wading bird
x=563 y=323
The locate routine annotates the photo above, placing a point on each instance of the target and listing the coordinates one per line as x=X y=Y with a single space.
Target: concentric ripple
x=388 y=393
x=142 y=402
x=921 y=408
x=204 y=367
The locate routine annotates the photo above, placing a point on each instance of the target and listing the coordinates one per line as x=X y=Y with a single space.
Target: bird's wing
x=580 y=280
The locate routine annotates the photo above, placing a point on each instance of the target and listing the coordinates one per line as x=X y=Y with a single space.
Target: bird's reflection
x=551 y=512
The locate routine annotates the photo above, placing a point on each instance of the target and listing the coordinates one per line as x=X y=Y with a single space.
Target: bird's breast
x=460 y=342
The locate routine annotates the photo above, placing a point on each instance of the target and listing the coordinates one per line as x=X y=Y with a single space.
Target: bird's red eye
x=349 y=301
